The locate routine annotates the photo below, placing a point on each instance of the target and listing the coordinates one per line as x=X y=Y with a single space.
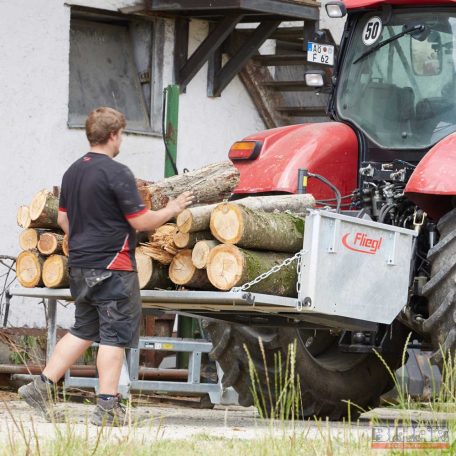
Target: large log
x=200 y=253
x=55 y=272
x=44 y=209
x=151 y=274
x=183 y=272
x=188 y=240
x=279 y=232
x=198 y=218
x=29 y=266
x=210 y=184
x=51 y=243
x=28 y=239
x=229 y=266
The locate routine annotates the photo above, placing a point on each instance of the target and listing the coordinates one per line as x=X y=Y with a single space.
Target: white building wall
x=36 y=144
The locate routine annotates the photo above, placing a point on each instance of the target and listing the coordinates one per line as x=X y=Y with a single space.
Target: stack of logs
x=210 y=246
x=43 y=260
x=228 y=244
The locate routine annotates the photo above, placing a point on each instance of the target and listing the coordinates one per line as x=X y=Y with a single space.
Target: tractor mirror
x=315 y=79
x=336 y=9
x=426 y=55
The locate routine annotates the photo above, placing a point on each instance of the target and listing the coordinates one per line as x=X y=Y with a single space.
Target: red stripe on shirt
x=137 y=213
x=122 y=261
x=62 y=209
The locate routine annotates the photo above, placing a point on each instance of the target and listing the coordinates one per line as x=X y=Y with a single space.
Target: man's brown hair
x=101 y=122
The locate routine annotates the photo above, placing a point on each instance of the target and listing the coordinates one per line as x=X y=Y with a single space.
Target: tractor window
x=401 y=95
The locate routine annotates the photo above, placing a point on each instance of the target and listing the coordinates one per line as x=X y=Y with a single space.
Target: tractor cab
x=395 y=83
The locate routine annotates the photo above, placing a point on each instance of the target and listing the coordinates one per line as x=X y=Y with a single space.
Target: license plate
x=320 y=53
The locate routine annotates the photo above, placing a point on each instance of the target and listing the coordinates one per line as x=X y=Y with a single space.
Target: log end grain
x=227 y=223
x=29 y=267
x=38 y=203
x=184 y=221
x=28 y=239
x=55 y=272
x=144 y=266
x=65 y=246
x=181 y=240
x=23 y=217
x=181 y=269
x=47 y=243
x=200 y=253
x=225 y=266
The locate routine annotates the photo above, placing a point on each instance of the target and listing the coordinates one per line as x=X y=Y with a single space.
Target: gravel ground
x=164 y=421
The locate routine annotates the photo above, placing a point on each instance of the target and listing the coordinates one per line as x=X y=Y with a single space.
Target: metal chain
x=276 y=268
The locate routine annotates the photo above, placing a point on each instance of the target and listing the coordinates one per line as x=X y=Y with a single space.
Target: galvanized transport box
x=354 y=268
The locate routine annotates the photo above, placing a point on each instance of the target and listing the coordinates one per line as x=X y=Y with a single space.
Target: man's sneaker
x=39 y=395
x=109 y=412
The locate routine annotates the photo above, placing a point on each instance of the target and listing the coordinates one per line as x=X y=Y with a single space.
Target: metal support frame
x=130 y=372
x=218 y=77
x=184 y=72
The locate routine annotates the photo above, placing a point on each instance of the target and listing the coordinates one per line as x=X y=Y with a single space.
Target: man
x=101 y=210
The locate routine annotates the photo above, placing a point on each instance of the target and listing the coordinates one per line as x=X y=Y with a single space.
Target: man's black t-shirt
x=99 y=195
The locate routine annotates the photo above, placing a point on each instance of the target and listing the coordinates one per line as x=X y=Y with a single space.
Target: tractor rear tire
x=330 y=380
x=441 y=291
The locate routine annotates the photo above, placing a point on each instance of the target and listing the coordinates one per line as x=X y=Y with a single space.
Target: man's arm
x=62 y=220
x=153 y=219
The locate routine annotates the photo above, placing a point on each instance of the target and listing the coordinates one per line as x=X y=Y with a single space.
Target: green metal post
x=187 y=327
x=172 y=121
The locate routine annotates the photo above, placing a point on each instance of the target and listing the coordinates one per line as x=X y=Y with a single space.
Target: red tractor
x=390 y=151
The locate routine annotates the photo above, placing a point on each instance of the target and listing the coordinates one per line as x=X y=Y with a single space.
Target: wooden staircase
x=281 y=84
x=275 y=82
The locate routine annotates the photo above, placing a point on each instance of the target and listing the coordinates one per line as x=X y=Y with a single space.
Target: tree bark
x=51 y=243
x=230 y=266
x=188 y=240
x=198 y=218
x=55 y=272
x=28 y=239
x=29 y=266
x=183 y=272
x=279 y=232
x=151 y=274
x=200 y=253
x=210 y=184
x=44 y=209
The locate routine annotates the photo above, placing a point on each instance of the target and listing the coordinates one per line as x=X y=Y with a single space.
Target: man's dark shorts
x=108 y=306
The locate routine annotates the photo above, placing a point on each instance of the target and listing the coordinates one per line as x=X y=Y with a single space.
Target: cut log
x=28 y=239
x=234 y=224
x=200 y=253
x=29 y=266
x=188 y=240
x=23 y=217
x=210 y=184
x=198 y=218
x=150 y=273
x=55 y=272
x=44 y=210
x=51 y=243
x=183 y=272
x=229 y=266
x=65 y=246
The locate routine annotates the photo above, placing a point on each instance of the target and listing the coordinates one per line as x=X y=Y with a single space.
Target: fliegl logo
x=362 y=243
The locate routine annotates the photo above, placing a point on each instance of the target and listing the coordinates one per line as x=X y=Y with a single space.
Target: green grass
x=278 y=430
